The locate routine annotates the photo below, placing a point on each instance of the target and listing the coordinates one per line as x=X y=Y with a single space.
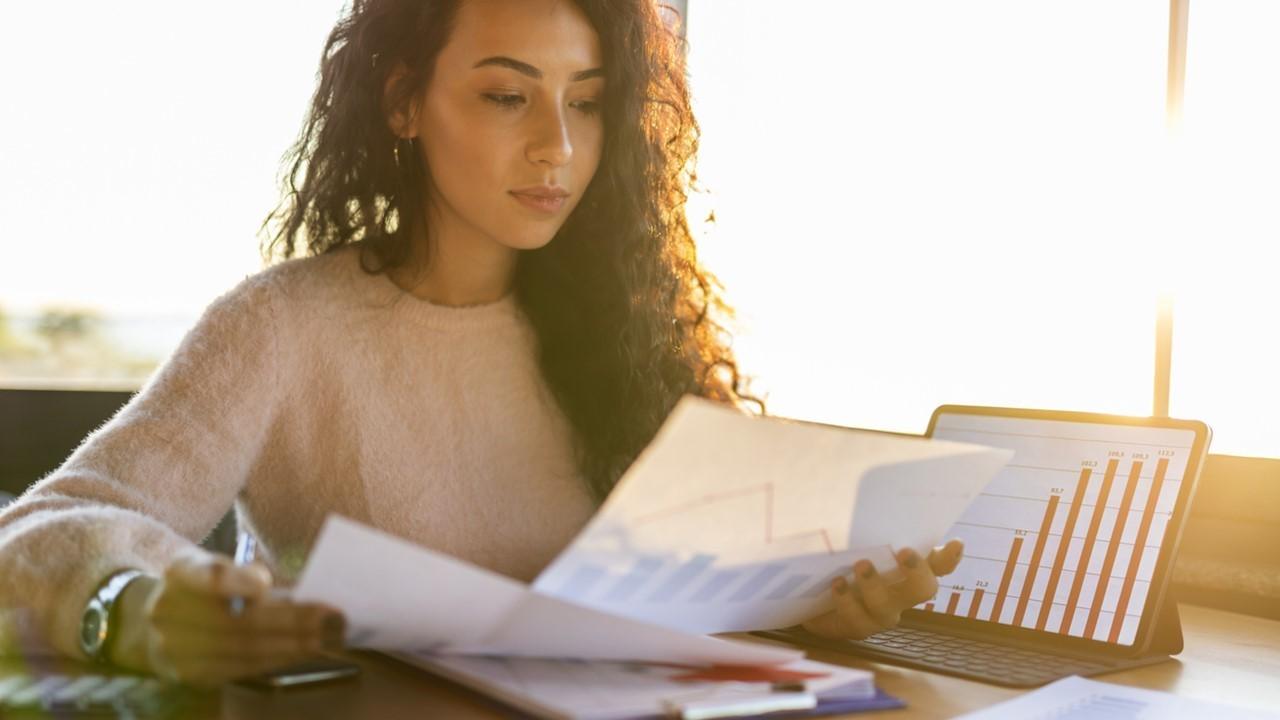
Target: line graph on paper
x=727 y=522
x=707 y=506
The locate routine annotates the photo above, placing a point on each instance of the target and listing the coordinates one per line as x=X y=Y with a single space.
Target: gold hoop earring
x=395 y=151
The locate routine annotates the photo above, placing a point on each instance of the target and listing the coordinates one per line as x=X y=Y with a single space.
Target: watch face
x=93 y=629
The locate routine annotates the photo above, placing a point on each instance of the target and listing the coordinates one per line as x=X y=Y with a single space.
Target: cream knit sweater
x=310 y=388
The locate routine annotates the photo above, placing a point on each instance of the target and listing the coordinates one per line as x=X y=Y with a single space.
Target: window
x=929 y=202
x=141 y=142
x=914 y=203
x=1226 y=346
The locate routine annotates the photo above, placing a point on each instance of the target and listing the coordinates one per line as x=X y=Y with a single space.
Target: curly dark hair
x=626 y=326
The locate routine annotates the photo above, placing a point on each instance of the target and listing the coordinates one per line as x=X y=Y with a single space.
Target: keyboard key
x=108 y=694
x=32 y=696
x=69 y=696
x=13 y=684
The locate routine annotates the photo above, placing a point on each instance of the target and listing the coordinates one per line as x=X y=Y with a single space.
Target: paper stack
x=724 y=523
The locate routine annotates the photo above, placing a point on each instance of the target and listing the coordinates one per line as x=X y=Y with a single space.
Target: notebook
x=600 y=690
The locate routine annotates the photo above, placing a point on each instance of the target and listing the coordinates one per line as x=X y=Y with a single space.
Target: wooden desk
x=1227 y=657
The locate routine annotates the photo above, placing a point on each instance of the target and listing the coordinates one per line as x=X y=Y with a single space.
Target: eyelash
x=509 y=102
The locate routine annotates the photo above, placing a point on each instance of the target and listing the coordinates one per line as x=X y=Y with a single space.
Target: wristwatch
x=98 y=626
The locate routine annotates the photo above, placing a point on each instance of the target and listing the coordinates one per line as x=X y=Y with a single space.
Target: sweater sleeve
x=150 y=483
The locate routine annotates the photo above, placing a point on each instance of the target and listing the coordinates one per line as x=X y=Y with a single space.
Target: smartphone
x=308 y=673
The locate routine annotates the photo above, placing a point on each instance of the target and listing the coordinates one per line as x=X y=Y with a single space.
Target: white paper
x=1076 y=698
x=728 y=522
x=605 y=691
x=400 y=596
x=396 y=594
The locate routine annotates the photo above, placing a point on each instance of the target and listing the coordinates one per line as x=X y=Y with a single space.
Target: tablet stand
x=1166 y=636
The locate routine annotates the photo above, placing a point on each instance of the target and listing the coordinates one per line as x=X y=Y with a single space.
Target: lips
x=543 y=203
x=542 y=191
x=545 y=198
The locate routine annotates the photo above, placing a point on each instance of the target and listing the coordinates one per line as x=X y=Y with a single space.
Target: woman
x=497 y=303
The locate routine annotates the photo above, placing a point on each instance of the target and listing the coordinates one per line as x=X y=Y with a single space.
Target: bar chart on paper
x=1065 y=538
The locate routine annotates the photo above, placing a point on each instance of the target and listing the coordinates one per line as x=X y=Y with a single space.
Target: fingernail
x=910 y=558
x=865 y=569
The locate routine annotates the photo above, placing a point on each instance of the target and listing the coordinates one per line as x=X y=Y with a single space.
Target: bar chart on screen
x=1066 y=537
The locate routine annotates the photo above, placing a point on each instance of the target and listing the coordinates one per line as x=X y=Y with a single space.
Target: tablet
x=1075 y=537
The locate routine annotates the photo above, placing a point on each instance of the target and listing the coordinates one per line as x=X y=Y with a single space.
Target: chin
x=531 y=241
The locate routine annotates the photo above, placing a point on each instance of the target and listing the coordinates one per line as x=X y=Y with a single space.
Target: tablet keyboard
x=952 y=655
x=124 y=696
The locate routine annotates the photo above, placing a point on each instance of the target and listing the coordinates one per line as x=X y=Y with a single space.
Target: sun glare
x=915 y=203
x=978 y=202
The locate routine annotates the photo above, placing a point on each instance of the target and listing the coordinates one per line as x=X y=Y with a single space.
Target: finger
x=159 y=661
x=311 y=620
x=211 y=672
x=183 y=644
x=181 y=605
x=848 y=620
x=919 y=583
x=279 y=617
x=192 y=656
x=881 y=606
x=943 y=560
x=218 y=575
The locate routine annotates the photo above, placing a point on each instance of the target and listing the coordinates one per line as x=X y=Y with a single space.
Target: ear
x=400 y=109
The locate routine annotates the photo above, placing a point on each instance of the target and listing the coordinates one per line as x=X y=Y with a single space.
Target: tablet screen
x=1066 y=538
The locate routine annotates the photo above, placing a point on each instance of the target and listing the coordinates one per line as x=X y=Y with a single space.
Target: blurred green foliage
x=66 y=344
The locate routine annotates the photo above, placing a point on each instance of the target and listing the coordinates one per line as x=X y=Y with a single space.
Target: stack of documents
x=603 y=690
x=725 y=523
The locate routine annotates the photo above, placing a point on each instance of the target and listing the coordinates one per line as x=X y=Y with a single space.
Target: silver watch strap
x=96 y=639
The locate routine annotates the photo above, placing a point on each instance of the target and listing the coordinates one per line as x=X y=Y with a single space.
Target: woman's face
x=512 y=108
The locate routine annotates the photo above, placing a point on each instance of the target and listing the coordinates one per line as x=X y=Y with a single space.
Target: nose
x=549 y=143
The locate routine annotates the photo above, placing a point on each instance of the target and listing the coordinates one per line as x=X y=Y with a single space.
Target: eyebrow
x=525 y=68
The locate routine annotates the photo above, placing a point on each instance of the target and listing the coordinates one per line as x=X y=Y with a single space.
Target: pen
x=245 y=549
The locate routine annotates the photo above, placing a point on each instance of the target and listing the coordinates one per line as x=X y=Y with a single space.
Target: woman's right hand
x=180 y=626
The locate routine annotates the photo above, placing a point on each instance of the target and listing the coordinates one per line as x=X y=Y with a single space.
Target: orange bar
x=1110 y=560
x=1009 y=565
x=1064 y=544
x=1086 y=552
x=952 y=603
x=977 y=602
x=1030 y=582
x=1139 y=546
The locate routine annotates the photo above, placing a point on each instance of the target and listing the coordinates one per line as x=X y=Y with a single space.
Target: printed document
x=729 y=522
x=1076 y=698
x=726 y=522
x=400 y=596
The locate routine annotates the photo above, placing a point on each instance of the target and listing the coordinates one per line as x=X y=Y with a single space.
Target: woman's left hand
x=871 y=604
